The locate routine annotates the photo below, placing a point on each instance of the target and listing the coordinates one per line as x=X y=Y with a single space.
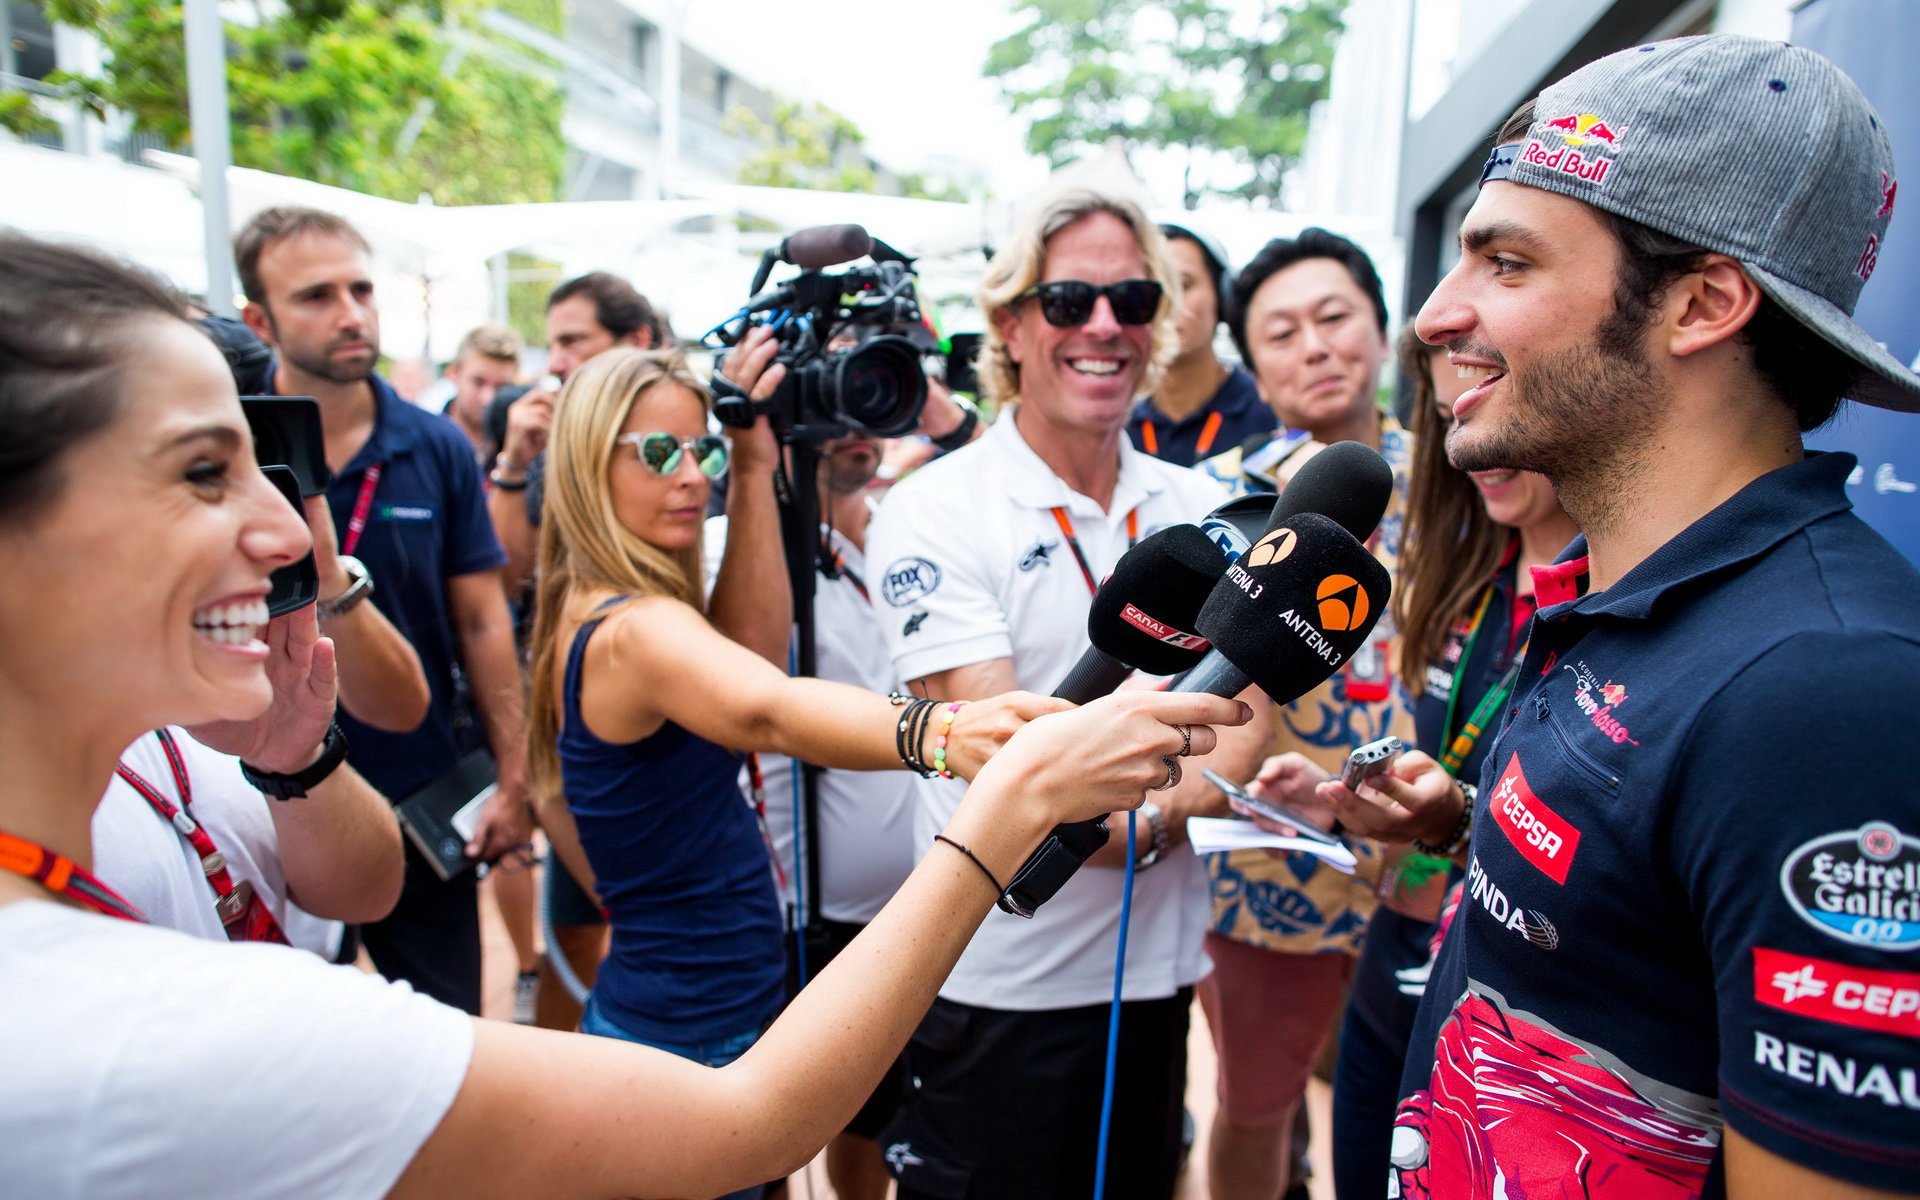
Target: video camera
x=851 y=341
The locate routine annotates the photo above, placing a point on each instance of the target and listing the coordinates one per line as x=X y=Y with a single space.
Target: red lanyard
x=1073 y=543
x=357 y=523
x=239 y=907
x=62 y=876
x=859 y=584
x=1208 y=432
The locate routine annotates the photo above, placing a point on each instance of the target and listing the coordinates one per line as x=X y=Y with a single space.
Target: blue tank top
x=683 y=873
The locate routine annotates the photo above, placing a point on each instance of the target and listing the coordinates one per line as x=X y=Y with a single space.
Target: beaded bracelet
x=1462 y=832
x=940 y=743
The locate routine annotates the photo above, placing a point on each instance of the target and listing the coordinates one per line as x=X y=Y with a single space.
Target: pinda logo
x=1344 y=604
x=1273 y=548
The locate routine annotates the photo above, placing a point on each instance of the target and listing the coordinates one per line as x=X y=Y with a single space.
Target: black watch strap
x=963 y=432
x=333 y=752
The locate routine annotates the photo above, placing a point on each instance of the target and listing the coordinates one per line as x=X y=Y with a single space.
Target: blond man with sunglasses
x=987 y=560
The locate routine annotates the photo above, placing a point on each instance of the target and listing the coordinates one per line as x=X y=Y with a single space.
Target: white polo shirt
x=866 y=817
x=975 y=565
x=139 y=853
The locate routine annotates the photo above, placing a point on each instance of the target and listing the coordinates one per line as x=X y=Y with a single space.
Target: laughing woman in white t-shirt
x=137 y=536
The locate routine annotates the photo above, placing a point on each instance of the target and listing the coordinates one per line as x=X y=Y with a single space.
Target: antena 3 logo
x=1586 y=144
x=1344 y=604
x=1858 y=885
x=1273 y=548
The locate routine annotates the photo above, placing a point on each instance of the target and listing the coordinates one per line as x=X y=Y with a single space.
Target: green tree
x=803 y=146
x=1227 y=94
x=393 y=99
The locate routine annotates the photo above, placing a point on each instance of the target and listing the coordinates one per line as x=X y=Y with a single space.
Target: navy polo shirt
x=1242 y=414
x=1694 y=891
x=427 y=523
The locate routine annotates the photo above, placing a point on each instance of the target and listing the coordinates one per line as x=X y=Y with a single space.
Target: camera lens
x=879 y=387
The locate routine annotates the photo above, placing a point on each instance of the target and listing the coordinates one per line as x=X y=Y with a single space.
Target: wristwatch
x=960 y=434
x=1162 y=840
x=333 y=752
x=359 y=587
x=501 y=480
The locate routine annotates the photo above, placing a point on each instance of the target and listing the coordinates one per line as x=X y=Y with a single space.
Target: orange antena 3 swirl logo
x=1343 y=603
x=1273 y=548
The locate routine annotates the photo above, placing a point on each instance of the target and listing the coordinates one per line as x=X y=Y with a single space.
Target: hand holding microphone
x=1296 y=605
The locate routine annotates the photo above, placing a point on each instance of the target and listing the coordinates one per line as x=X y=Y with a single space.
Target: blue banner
x=1875 y=42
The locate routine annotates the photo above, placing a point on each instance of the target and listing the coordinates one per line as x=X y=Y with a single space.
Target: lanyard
x=1079 y=555
x=241 y=912
x=1208 y=432
x=62 y=876
x=357 y=523
x=841 y=568
x=1460 y=745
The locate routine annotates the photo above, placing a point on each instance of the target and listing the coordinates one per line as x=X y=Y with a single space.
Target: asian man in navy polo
x=1688 y=958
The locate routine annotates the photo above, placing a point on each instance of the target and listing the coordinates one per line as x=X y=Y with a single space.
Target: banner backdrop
x=1876 y=41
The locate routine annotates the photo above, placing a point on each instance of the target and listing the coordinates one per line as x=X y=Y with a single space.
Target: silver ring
x=1173 y=773
x=1186 y=739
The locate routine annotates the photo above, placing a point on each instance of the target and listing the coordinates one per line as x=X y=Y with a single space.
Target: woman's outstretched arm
x=568 y=1116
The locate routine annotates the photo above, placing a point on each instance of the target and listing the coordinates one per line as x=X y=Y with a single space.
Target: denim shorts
x=714 y=1052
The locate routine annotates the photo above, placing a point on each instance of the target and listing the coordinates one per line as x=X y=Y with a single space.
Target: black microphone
x=1287 y=615
x=825 y=246
x=1347 y=483
x=1143 y=616
x=1296 y=606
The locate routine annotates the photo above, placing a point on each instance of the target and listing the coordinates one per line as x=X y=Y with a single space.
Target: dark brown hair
x=69 y=334
x=1449 y=546
x=620 y=309
x=271 y=225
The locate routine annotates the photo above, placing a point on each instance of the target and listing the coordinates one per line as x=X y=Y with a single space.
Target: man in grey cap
x=1685 y=962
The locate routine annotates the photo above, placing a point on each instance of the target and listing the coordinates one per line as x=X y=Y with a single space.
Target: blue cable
x=1113 y=1021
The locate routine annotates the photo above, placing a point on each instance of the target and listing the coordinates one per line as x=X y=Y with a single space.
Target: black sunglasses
x=1068 y=302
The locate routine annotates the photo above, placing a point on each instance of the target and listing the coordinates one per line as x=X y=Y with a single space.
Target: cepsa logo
x=1543 y=837
x=1863 y=997
x=1583 y=138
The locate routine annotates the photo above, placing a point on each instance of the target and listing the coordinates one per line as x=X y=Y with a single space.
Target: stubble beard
x=320 y=366
x=1584 y=418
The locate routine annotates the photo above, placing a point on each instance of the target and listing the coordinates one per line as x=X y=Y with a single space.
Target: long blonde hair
x=583 y=546
x=1020 y=262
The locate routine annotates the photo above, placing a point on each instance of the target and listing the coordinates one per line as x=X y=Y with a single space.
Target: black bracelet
x=906 y=739
x=962 y=433
x=997 y=889
x=1462 y=832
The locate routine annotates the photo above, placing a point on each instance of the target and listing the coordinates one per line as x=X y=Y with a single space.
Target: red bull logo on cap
x=1581 y=128
x=1585 y=143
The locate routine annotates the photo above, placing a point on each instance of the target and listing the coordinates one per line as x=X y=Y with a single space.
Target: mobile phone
x=1369 y=760
x=1272 y=811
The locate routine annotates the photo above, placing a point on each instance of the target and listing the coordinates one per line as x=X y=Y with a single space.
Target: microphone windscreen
x=825 y=246
x=1144 y=613
x=1239 y=522
x=1296 y=606
x=1348 y=483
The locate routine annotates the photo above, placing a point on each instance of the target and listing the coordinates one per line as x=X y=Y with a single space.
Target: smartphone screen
x=1271 y=810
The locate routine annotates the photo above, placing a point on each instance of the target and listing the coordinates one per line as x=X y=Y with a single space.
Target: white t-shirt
x=142 y=856
x=976 y=567
x=142 y=1062
x=866 y=817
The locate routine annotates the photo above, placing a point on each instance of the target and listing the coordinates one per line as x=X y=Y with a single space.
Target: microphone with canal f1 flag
x=1297 y=604
x=1143 y=615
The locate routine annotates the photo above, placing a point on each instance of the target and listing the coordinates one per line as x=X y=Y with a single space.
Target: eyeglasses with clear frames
x=661 y=452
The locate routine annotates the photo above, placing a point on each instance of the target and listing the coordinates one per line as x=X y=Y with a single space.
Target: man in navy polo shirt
x=1203 y=406
x=1688 y=959
x=407 y=501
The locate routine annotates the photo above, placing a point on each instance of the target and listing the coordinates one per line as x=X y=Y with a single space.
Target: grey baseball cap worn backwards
x=1761 y=151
